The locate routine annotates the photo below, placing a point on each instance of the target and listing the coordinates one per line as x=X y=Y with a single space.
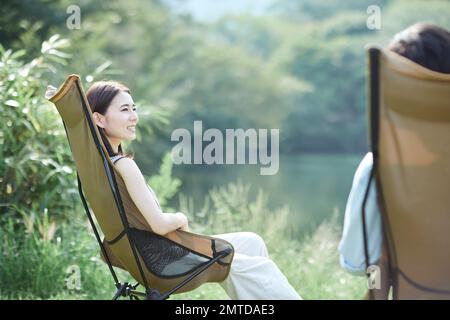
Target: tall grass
x=34 y=264
x=310 y=262
x=37 y=263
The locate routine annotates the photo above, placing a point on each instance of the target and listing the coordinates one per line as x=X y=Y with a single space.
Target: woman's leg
x=253 y=275
x=248 y=243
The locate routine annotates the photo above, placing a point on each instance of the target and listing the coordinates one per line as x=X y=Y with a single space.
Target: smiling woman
x=114 y=113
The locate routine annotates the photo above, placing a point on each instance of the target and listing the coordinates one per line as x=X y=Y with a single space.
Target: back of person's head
x=425 y=44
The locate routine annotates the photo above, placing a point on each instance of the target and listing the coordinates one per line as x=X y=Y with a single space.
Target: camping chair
x=409 y=130
x=177 y=262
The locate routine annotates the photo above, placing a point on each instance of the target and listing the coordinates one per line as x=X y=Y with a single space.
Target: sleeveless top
x=116 y=158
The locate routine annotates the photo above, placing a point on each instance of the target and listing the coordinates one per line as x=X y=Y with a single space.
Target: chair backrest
x=409 y=110
x=110 y=201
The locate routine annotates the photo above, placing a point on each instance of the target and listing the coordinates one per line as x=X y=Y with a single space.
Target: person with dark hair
x=253 y=275
x=425 y=44
x=429 y=46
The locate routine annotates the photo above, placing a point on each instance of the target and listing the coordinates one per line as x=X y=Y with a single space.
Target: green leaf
x=18 y=54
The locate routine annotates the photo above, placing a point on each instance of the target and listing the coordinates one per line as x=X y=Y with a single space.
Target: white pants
x=253 y=275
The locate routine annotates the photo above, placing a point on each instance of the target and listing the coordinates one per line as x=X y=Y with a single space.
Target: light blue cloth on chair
x=351 y=246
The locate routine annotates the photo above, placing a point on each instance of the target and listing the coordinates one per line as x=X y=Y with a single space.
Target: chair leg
x=121 y=289
x=127 y=290
x=153 y=294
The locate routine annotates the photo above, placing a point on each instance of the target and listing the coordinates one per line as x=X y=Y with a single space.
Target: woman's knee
x=255 y=239
x=249 y=243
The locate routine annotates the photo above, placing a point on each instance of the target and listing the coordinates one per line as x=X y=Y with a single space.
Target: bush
x=36 y=157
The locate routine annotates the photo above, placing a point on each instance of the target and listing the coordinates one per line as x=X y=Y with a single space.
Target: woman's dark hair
x=425 y=44
x=99 y=96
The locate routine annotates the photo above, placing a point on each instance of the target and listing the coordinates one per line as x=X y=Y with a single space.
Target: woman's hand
x=184 y=221
x=51 y=90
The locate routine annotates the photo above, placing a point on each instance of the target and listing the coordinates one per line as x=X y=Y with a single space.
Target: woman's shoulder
x=127 y=167
x=117 y=157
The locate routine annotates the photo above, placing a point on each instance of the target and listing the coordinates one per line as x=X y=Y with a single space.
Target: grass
x=35 y=262
x=311 y=266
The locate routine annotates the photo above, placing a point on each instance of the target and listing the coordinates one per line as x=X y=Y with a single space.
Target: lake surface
x=313 y=186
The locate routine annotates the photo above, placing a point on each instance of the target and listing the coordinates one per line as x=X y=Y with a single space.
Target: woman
x=253 y=275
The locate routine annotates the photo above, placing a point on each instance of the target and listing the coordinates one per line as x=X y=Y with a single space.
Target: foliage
x=164 y=185
x=35 y=159
x=36 y=260
x=310 y=264
x=230 y=209
x=279 y=70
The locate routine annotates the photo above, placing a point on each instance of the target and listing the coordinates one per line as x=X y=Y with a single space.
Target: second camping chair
x=177 y=262
x=409 y=112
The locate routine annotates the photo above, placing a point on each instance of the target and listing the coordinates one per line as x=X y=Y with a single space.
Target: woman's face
x=120 y=119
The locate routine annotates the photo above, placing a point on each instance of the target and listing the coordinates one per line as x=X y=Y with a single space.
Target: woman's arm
x=161 y=223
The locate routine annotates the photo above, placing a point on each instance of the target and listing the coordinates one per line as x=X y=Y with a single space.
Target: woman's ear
x=99 y=119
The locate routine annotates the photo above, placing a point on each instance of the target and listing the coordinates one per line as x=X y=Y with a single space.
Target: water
x=313 y=186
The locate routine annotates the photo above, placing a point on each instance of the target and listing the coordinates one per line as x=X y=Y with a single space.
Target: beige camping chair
x=409 y=112
x=177 y=262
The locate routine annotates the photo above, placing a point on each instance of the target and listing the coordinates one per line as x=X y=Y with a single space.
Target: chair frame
x=391 y=281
